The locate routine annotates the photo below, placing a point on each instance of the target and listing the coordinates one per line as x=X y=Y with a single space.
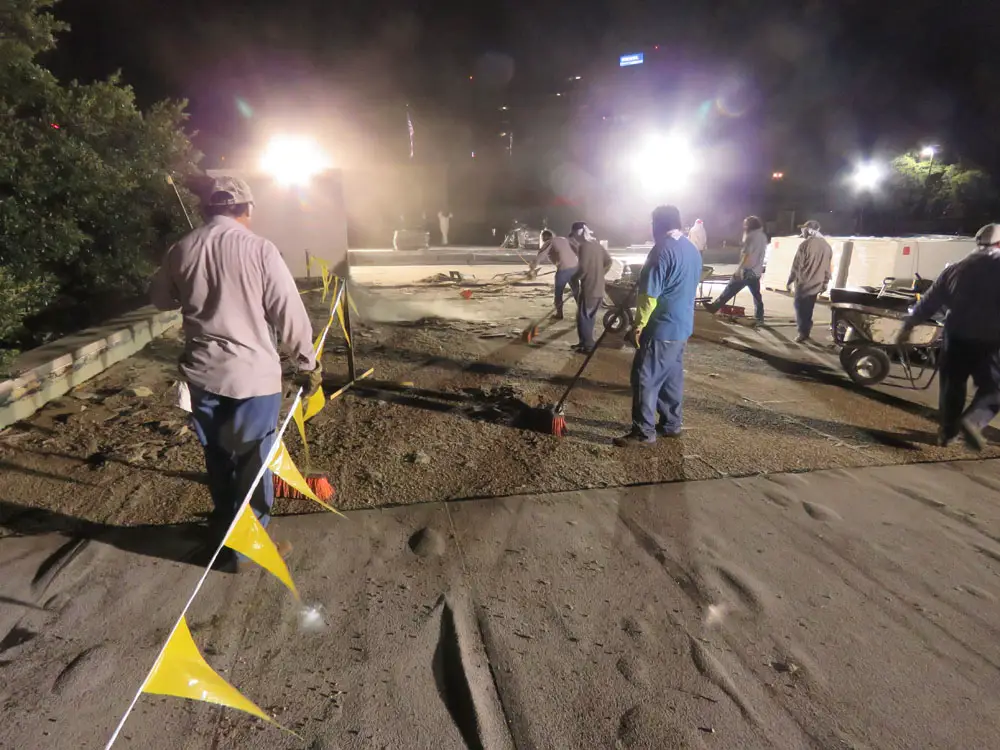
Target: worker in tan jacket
x=234 y=291
x=810 y=276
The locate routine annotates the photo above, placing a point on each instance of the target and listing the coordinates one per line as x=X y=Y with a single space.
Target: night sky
x=820 y=82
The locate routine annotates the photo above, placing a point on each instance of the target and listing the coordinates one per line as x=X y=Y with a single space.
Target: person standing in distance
x=668 y=285
x=809 y=276
x=592 y=266
x=444 y=223
x=233 y=288
x=698 y=236
x=967 y=293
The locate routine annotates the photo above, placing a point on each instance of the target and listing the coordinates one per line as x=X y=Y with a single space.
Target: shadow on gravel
x=177 y=542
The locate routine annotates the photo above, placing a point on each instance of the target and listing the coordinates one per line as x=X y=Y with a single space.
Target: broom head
x=318 y=483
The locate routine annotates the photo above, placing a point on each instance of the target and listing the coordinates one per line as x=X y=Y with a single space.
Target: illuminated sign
x=625 y=60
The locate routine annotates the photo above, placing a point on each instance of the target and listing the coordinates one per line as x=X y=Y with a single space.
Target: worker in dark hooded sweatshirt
x=234 y=290
x=664 y=321
x=592 y=266
x=968 y=293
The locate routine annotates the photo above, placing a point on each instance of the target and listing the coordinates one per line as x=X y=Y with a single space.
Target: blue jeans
x=565 y=276
x=586 y=320
x=237 y=435
x=657 y=386
x=739 y=282
x=804 y=307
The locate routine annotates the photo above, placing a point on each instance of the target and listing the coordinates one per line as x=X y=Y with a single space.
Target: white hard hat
x=988 y=235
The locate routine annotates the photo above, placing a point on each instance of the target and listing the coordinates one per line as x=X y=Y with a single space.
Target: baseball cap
x=229 y=191
x=988 y=235
x=811 y=224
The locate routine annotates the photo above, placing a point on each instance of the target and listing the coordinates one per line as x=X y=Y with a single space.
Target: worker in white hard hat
x=233 y=288
x=967 y=294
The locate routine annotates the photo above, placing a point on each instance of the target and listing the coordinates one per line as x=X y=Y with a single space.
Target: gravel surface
x=443 y=416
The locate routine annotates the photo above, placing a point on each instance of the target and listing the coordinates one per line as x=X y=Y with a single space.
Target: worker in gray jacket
x=594 y=262
x=749 y=271
x=561 y=253
x=810 y=275
x=966 y=293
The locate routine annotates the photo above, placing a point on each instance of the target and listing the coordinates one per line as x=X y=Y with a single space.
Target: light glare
x=293 y=160
x=665 y=161
x=867 y=176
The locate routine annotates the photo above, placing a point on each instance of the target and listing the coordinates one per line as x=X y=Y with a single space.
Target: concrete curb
x=51 y=371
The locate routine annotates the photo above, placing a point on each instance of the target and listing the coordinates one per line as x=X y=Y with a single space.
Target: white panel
x=780 y=254
x=872 y=261
x=933 y=255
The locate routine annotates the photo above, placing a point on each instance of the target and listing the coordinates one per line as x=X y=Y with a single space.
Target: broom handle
x=583 y=367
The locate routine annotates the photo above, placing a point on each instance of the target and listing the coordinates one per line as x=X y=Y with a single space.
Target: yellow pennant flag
x=333 y=297
x=325 y=271
x=316 y=344
x=249 y=538
x=343 y=327
x=350 y=301
x=182 y=672
x=284 y=467
x=298 y=416
x=314 y=405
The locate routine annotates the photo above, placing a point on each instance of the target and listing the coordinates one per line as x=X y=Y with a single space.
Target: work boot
x=973 y=436
x=801 y=338
x=945 y=439
x=663 y=432
x=557 y=315
x=633 y=438
x=711 y=307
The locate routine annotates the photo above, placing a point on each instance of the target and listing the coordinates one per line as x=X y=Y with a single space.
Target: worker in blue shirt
x=967 y=293
x=664 y=321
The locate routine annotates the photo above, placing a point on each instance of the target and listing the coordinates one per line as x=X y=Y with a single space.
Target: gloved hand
x=903 y=337
x=309 y=380
x=636 y=335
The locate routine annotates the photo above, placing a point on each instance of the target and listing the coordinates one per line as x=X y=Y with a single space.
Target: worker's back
x=671 y=274
x=233 y=287
x=970 y=291
x=594 y=262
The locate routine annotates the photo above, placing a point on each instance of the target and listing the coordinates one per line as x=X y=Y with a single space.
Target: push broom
x=553 y=420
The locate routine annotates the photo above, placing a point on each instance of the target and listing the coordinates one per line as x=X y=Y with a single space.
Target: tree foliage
x=85 y=206
x=929 y=189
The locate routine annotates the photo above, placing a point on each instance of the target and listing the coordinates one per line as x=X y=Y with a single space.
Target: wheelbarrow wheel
x=615 y=321
x=865 y=365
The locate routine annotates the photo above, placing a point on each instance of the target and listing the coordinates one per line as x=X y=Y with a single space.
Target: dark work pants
x=736 y=285
x=237 y=435
x=564 y=277
x=804 y=307
x=586 y=320
x=657 y=386
x=960 y=360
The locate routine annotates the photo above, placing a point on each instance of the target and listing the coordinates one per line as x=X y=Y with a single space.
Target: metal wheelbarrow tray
x=866 y=323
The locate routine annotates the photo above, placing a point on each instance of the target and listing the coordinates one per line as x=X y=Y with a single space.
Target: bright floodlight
x=293 y=160
x=665 y=161
x=928 y=152
x=867 y=176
